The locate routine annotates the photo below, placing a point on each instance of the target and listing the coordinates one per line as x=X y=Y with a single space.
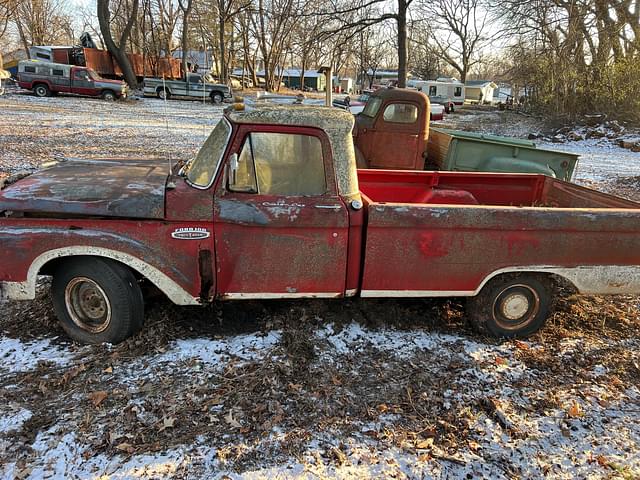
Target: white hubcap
x=515 y=306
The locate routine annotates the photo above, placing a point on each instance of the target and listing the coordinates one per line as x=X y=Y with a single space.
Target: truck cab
x=392 y=132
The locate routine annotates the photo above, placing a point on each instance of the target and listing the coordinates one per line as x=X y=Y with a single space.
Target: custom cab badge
x=190 y=233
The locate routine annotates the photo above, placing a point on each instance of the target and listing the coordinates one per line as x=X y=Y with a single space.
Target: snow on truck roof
x=337 y=123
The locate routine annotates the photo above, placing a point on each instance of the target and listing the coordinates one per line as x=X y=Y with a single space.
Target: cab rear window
x=400 y=113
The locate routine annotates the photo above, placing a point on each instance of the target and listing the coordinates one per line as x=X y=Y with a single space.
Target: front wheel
x=217 y=97
x=97 y=300
x=511 y=306
x=108 y=95
x=41 y=90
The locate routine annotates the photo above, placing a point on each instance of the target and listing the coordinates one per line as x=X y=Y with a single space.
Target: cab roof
x=335 y=122
x=401 y=94
x=321 y=117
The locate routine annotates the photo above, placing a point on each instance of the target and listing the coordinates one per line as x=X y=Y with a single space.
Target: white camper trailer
x=452 y=89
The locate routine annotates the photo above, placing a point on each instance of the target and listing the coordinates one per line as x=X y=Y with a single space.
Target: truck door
x=82 y=83
x=281 y=230
x=392 y=140
x=195 y=86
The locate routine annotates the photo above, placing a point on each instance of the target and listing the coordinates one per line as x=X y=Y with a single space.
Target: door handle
x=329 y=207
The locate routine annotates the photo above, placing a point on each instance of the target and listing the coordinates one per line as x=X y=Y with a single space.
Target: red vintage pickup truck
x=273 y=207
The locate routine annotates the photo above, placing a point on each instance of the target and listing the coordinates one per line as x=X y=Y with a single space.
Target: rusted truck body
x=397 y=120
x=273 y=207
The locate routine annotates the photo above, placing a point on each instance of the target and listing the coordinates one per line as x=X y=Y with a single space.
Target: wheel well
x=216 y=92
x=142 y=271
x=160 y=88
x=554 y=280
x=51 y=266
x=39 y=82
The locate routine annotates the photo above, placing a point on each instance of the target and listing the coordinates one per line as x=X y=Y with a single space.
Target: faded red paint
x=411 y=231
x=393 y=145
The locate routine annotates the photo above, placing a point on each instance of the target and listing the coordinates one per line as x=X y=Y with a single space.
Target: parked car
x=272 y=207
x=47 y=78
x=447 y=103
x=397 y=120
x=436 y=111
x=193 y=87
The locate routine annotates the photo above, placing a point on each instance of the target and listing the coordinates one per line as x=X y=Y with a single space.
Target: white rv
x=452 y=90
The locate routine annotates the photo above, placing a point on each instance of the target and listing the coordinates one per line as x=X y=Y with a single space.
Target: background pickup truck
x=397 y=120
x=194 y=87
x=272 y=207
x=46 y=78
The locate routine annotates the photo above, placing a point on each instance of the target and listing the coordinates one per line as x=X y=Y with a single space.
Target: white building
x=479 y=91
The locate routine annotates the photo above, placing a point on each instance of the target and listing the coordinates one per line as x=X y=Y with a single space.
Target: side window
x=432 y=90
x=244 y=179
x=280 y=164
x=58 y=72
x=400 y=113
x=81 y=75
x=457 y=92
x=30 y=69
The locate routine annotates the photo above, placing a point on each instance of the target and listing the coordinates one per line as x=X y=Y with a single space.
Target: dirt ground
x=318 y=389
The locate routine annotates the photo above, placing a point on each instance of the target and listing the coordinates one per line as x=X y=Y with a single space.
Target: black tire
x=109 y=96
x=511 y=306
x=163 y=94
x=217 y=98
x=41 y=90
x=97 y=300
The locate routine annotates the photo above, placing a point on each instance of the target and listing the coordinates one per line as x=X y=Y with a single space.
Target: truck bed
x=393 y=186
x=447 y=233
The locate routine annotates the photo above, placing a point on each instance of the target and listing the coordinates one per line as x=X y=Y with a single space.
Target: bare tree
x=185 y=7
x=119 y=50
x=374 y=12
x=41 y=22
x=458 y=32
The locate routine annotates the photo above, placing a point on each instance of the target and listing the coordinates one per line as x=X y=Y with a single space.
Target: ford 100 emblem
x=190 y=233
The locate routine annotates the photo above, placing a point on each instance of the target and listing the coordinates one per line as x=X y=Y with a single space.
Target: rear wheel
x=511 y=306
x=41 y=90
x=163 y=94
x=97 y=300
x=216 y=97
x=108 y=95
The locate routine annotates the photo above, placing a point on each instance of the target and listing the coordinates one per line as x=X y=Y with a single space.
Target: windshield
x=93 y=74
x=202 y=169
x=372 y=107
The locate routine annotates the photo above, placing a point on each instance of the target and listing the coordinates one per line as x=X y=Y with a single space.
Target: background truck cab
x=46 y=78
x=392 y=132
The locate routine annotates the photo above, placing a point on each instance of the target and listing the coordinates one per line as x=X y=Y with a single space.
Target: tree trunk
x=223 y=54
x=186 y=11
x=401 y=19
x=118 y=52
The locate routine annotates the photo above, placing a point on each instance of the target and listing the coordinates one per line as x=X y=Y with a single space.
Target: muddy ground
x=354 y=389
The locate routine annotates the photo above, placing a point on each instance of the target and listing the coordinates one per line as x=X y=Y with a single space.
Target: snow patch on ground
x=215 y=352
x=18 y=356
x=14 y=421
